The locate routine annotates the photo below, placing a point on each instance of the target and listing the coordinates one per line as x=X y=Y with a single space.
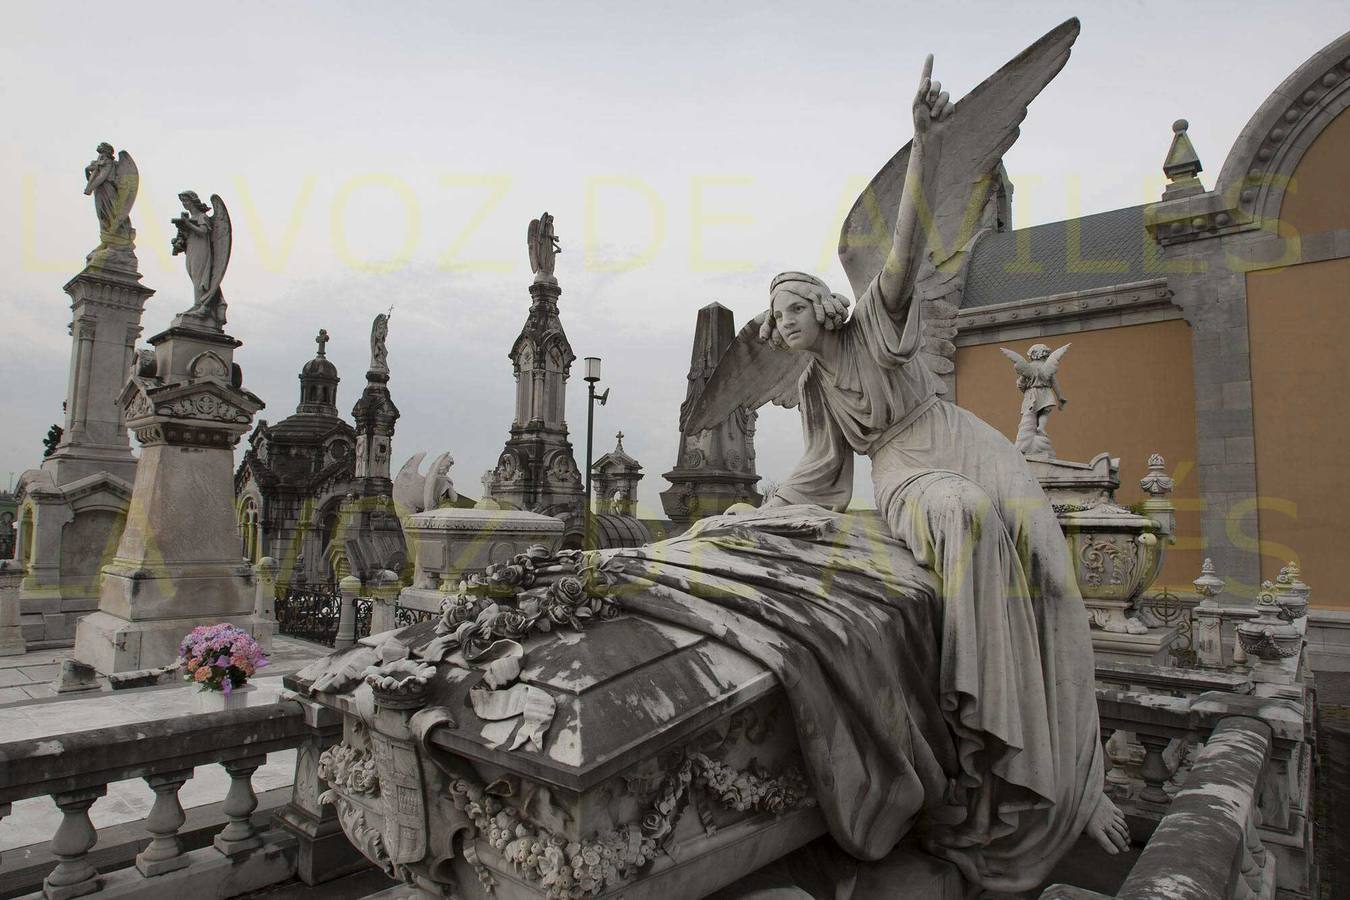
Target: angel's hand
x=833 y=308
x=932 y=105
x=765 y=320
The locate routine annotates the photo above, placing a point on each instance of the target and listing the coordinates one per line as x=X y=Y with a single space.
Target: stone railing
x=75 y=769
x=1207 y=845
x=1206 y=766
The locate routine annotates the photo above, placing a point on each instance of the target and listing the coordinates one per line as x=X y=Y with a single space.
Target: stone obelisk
x=179 y=563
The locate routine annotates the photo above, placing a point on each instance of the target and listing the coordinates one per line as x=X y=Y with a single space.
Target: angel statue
x=544 y=246
x=940 y=675
x=205 y=242
x=113 y=184
x=415 y=492
x=379 y=351
x=1040 y=394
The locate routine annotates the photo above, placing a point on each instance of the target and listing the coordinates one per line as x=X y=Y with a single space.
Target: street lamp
x=592 y=364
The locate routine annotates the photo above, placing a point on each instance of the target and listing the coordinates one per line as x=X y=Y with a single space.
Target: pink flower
x=201 y=674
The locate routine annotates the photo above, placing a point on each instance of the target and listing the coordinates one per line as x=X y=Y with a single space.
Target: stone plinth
x=11 y=635
x=71 y=510
x=1152 y=647
x=179 y=562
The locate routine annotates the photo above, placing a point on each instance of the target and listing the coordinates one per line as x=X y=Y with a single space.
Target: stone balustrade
x=75 y=769
x=1208 y=845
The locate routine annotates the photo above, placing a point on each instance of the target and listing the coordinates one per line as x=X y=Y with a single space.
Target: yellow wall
x=1318 y=196
x=1130 y=393
x=1299 y=323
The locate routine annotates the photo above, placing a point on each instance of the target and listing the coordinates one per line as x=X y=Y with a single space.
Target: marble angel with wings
x=950 y=487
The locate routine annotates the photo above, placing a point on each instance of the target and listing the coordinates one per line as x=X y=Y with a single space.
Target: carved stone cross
x=619 y=446
x=322 y=340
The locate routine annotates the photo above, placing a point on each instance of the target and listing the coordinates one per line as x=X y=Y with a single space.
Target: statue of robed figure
x=941 y=677
x=1037 y=380
x=113 y=183
x=543 y=245
x=204 y=240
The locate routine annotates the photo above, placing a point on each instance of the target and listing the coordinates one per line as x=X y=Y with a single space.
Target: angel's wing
x=221 y=240
x=408 y=485
x=750 y=373
x=1052 y=361
x=983 y=125
x=128 y=184
x=533 y=239
x=1020 y=364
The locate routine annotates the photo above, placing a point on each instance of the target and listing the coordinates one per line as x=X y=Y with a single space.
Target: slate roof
x=1042 y=261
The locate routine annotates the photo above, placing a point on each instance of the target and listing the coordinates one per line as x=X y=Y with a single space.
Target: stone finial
x=322 y=341
x=1182 y=164
x=1271 y=639
x=1157 y=483
x=1208 y=585
x=1291 y=593
x=618 y=446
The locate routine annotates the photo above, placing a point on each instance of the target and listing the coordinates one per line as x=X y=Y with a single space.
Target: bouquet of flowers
x=220 y=657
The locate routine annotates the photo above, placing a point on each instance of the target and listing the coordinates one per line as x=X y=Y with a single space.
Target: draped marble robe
x=998 y=756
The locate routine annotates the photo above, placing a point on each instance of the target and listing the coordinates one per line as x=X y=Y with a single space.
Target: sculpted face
x=795 y=319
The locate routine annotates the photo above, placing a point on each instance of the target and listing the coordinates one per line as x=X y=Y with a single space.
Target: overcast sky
x=377 y=155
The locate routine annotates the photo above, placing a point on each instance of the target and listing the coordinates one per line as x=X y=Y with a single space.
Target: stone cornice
x=975 y=323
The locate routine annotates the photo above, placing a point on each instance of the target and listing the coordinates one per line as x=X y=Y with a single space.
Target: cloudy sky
x=377 y=155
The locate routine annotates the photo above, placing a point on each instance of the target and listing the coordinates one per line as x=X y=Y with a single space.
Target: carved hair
x=810 y=288
x=191 y=199
x=104 y=148
x=1038 y=351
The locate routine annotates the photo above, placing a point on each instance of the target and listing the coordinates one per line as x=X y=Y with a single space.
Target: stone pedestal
x=11 y=635
x=179 y=562
x=72 y=509
x=1150 y=648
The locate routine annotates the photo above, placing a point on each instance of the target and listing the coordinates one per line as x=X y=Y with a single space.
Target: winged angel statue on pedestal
x=205 y=241
x=941 y=676
x=1036 y=379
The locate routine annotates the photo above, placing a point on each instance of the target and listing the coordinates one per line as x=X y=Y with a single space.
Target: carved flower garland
x=535 y=592
x=578 y=869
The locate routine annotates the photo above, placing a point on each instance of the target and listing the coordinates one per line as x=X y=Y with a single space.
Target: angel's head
x=801 y=309
x=1038 y=352
x=192 y=203
x=105 y=149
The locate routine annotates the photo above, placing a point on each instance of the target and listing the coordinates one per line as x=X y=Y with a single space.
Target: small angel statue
x=544 y=245
x=1040 y=394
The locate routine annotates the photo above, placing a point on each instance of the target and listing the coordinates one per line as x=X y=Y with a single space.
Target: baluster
x=239 y=836
x=1154 y=768
x=1117 y=776
x=74 y=838
x=165 y=851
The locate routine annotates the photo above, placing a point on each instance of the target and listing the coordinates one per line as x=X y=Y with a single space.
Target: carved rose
x=568 y=589
x=512 y=622
x=774 y=799
x=655 y=825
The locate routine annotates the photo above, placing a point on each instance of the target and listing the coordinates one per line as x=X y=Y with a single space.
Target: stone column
x=265 y=601
x=178 y=564
x=106 y=306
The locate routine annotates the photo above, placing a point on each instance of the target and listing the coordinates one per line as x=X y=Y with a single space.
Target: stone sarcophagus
x=534 y=741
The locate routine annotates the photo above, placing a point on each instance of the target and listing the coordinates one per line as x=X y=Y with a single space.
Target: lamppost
x=592 y=376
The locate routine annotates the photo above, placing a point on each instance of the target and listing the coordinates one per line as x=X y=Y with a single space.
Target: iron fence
x=312 y=613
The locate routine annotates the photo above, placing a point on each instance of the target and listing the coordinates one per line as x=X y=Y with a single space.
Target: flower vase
x=209 y=701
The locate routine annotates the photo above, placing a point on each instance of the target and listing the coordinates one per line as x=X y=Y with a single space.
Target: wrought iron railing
x=407 y=615
x=313 y=613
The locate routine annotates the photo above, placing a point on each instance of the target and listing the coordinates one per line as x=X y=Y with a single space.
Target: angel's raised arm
x=931 y=108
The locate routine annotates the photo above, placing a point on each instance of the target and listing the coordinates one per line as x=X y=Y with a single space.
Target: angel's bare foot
x=1107 y=826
